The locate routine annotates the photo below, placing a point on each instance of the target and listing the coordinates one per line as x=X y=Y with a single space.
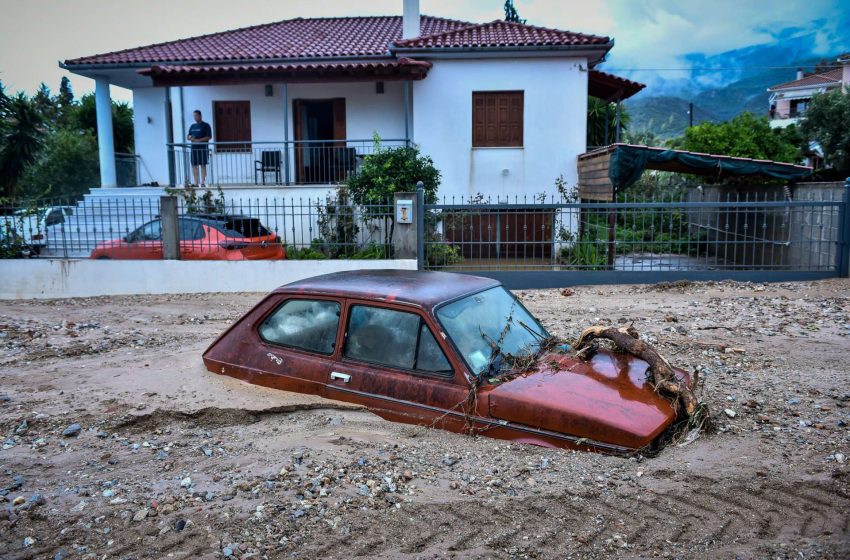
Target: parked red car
x=202 y=237
x=410 y=346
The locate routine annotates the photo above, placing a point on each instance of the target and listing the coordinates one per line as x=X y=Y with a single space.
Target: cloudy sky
x=655 y=39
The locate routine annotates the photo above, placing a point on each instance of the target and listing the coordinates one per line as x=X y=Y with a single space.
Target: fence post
x=420 y=225
x=170 y=236
x=843 y=252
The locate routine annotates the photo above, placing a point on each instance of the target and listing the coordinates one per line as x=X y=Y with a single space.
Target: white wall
x=150 y=136
x=43 y=278
x=554 y=128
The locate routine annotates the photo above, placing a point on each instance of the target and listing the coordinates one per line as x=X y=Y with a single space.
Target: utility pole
x=690 y=114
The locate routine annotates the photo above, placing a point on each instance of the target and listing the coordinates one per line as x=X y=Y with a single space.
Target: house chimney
x=800 y=74
x=410 y=19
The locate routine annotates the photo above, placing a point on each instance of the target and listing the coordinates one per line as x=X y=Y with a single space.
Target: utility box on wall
x=404 y=211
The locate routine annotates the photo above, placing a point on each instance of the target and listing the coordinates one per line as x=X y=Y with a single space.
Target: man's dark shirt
x=200 y=130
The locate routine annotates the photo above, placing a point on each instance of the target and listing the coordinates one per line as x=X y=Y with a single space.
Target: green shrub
x=372 y=251
x=304 y=254
x=439 y=253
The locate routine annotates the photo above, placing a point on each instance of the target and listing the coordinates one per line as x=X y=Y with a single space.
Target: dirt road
x=172 y=461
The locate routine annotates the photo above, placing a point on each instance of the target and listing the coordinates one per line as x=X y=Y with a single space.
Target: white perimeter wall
x=554 y=128
x=367 y=112
x=43 y=278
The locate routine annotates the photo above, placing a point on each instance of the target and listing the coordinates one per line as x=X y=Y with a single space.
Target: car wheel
x=103 y=258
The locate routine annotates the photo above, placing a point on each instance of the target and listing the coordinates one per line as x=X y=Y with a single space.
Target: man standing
x=200 y=134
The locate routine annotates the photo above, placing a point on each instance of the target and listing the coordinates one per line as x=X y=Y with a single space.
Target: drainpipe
x=105 y=141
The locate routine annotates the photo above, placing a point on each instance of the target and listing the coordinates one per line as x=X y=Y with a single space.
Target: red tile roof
x=500 y=34
x=826 y=78
x=340 y=37
x=292 y=38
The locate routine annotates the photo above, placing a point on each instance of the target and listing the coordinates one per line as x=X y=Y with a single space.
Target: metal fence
x=532 y=242
x=210 y=227
x=300 y=162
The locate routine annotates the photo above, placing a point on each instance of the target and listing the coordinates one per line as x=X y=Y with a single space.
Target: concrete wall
x=43 y=278
x=554 y=128
x=801 y=237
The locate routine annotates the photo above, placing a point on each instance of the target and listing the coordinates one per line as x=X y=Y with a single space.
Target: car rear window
x=244 y=227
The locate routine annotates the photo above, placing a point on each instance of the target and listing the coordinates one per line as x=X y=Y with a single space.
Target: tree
x=64 y=102
x=596 y=121
x=44 y=104
x=85 y=118
x=67 y=166
x=746 y=136
x=511 y=13
x=827 y=122
x=22 y=140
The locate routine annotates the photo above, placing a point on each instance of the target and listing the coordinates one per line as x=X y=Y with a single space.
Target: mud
x=172 y=461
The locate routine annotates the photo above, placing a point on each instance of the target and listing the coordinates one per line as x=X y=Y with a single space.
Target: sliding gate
x=542 y=245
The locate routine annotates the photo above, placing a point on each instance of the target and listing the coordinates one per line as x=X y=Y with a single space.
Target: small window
x=430 y=357
x=497 y=119
x=301 y=323
x=190 y=230
x=391 y=338
x=151 y=231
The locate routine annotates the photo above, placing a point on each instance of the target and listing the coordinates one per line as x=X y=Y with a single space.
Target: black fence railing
x=209 y=228
x=751 y=233
x=300 y=162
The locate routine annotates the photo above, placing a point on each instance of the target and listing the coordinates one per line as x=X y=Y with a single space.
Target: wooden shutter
x=497 y=119
x=232 y=124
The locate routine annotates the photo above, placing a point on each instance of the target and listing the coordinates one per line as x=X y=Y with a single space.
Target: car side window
x=388 y=337
x=152 y=231
x=190 y=230
x=430 y=356
x=302 y=323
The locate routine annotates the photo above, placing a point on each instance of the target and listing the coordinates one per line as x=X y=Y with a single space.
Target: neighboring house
x=500 y=107
x=789 y=101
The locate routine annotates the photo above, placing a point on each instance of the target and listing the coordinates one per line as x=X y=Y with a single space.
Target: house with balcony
x=789 y=100
x=295 y=105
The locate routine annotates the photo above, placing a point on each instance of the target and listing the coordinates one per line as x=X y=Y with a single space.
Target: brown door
x=232 y=121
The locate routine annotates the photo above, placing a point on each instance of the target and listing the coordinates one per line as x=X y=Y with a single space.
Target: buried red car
x=410 y=346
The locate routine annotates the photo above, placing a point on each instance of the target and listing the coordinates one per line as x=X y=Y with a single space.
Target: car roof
x=422 y=288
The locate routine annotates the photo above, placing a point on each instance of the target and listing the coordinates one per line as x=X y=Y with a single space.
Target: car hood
x=607 y=399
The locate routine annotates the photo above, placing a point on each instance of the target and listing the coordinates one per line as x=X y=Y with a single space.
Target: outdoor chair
x=269 y=162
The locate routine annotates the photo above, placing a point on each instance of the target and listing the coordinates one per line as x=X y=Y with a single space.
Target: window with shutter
x=232 y=121
x=497 y=119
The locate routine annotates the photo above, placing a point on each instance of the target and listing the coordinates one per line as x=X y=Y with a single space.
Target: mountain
x=721 y=86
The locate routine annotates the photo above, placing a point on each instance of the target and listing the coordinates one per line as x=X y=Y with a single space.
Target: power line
x=705 y=69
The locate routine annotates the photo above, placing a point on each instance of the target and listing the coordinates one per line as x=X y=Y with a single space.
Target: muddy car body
x=410 y=345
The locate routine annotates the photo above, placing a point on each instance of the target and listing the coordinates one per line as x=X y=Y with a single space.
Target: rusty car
x=440 y=349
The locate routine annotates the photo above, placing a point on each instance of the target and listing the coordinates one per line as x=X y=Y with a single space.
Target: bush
x=67 y=166
x=303 y=254
x=438 y=253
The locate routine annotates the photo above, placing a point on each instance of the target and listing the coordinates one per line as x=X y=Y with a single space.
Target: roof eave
x=502 y=50
x=800 y=88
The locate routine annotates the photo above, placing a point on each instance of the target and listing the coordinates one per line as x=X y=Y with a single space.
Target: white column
x=105 y=142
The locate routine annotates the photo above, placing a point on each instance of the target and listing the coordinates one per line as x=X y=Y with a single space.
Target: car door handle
x=344 y=377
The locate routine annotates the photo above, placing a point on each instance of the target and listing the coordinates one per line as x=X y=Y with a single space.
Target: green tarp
x=629 y=162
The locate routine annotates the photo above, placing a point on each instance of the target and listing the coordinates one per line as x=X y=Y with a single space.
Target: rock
x=179 y=525
x=18 y=501
x=72 y=430
x=29 y=541
x=33 y=502
x=141 y=514
x=186 y=482
x=449 y=460
x=108 y=493
x=206 y=451
x=227 y=551
x=730 y=413
x=839 y=457
x=22 y=428
x=102 y=435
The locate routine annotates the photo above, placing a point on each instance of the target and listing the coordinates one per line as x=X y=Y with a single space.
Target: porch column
x=105 y=142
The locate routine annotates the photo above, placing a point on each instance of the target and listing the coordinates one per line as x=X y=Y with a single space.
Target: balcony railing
x=302 y=162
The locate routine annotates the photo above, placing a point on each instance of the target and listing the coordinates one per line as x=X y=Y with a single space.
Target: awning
x=604 y=172
x=291 y=72
x=609 y=87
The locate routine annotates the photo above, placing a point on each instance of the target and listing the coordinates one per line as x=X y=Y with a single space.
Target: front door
x=319 y=140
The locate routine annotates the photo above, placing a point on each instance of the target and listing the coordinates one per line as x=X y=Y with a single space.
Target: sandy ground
x=174 y=462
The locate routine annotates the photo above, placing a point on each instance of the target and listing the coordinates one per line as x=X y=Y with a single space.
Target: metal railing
x=301 y=162
x=753 y=233
x=210 y=227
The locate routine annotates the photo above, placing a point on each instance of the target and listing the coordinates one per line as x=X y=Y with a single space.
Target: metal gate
x=532 y=244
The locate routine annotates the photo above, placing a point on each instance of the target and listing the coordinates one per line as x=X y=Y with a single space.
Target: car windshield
x=489 y=320
x=244 y=227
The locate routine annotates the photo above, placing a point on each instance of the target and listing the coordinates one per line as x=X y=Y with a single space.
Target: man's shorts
x=200 y=156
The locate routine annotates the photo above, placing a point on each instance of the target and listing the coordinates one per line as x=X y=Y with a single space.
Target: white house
x=294 y=105
x=789 y=100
